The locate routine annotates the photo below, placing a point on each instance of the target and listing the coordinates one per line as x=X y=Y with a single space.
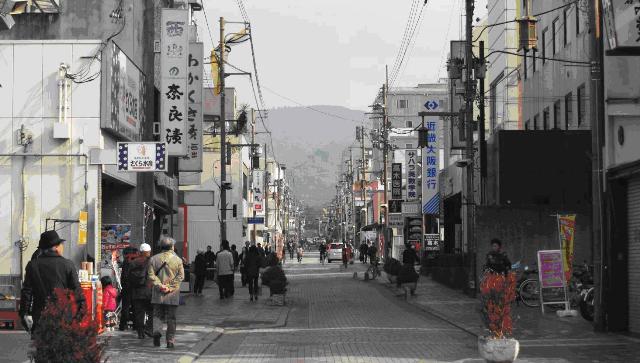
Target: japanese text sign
x=142 y=156
x=396 y=181
x=258 y=191
x=622 y=22
x=193 y=160
x=430 y=169
x=174 y=59
x=411 y=161
x=566 y=231
x=550 y=268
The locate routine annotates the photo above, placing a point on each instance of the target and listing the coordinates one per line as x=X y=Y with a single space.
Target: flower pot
x=498 y=350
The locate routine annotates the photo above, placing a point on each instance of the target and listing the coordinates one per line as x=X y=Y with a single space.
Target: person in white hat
x=141 y=292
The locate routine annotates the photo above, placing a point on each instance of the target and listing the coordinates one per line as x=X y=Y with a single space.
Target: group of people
x=368 y=252
x=150 y=283
x=250 y=262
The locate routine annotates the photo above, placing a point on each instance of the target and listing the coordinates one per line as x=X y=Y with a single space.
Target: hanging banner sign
x=566 y=231
x=258 y=191
x=396 y=181
x=82 y=227
x=193 y=160
x=411 y=162
x=430 y=170
x=174 y=58
x=142 y=156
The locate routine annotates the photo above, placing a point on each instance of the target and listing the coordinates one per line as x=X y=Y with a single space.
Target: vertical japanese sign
x=396 y=181
x=174 y=57
x=567 y=230
x=258 y=191
x=430 y=167
x=411 y=162
x=82 y=227
x=193 y=160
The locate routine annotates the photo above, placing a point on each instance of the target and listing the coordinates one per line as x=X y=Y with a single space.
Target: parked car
x=334 y=251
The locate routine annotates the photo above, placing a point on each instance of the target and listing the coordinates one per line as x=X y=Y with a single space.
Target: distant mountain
x=310 y=143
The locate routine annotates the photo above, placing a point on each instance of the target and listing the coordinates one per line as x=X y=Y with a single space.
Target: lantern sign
x=621 y=21
x=174 y=60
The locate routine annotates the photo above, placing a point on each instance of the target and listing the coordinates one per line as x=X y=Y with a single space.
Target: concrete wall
x=53 y=187
x=552 y=80
x=526 y=230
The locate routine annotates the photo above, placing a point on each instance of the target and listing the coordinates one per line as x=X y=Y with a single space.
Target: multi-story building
x=60 y=130
x=554 y=94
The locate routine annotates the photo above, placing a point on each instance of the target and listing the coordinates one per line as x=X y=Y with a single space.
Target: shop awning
x=371 y=227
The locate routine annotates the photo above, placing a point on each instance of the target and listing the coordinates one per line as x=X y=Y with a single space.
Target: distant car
x=334 y=251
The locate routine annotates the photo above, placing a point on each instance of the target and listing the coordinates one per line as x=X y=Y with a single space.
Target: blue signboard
x=255 y=220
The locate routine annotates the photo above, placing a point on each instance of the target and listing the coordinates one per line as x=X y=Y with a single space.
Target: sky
x=333 y=52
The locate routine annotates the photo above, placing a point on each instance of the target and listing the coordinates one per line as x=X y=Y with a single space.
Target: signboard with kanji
x=622 y=23
x=396 y=181
x=142 y=156
x=258 y=191
x=193 y=160
x=430 y=169
x=174 y=60
x=411 y=161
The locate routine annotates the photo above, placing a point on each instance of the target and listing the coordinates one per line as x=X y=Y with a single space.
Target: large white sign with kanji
x=430 y=167
x=174 y=59
x=193 y=160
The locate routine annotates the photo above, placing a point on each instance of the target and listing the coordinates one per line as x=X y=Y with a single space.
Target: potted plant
x=497 y=292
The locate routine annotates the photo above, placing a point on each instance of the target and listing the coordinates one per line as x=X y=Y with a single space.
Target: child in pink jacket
x=109 y=300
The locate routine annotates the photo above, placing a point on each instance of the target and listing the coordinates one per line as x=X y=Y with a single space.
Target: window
x=403 y=103
x=581 y=105
x=536 y=118
x=408 y=146
x=410 y=124
x=544 y=46
x=545 y=119
x=554 y=36
x=577 y=19
x=565 y=35
x=527 y=125
x=556 y=115
x=568 y=110
x=245 y=187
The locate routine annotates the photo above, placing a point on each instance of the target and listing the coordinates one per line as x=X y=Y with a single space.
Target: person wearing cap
x=141 y=291
x=165 y=273
x=45 y=273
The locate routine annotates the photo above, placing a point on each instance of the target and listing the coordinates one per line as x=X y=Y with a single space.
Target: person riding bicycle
x=323 y=251
x=300 y=252
x=373 y=254
x=497 y=260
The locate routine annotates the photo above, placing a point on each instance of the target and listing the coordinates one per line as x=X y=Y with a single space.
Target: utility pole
x=353 y=202
x=223 y=136
x=481 y=130
x=597 y=131
x=267 y=195
x=253 y=153
x=364 y=177
x=385 y=151
x=468 y=202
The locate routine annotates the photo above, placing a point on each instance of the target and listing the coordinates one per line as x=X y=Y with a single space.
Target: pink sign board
x=550 y=269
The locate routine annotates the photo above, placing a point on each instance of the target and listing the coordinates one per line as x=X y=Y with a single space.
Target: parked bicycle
x=373 y=271
x=528 y=286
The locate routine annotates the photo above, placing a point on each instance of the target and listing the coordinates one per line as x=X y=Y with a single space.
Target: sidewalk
x=547 y=335
x=201 y=321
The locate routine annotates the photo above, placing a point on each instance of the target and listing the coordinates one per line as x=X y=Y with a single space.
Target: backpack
x=138 y=276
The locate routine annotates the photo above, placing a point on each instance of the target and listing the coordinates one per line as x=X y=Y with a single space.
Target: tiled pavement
x=546 y=336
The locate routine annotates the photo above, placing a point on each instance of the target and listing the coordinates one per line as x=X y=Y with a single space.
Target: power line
x=404 y=35
x=407 y=43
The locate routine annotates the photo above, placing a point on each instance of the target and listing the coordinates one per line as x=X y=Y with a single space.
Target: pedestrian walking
x=261 y=250
x=345 y=255
x=225 y=271
x=125 y=292
x=408 y=274
x=323 y=251
x=42 y=275
x=290 y=249
x=141 y=292
x=165 y=273
x=210 y=259
x=253 y=263
x=363 y=252
x=372 y=252
x=109 y=302
x=236 y=257
x=243 y=265
x=200 y=271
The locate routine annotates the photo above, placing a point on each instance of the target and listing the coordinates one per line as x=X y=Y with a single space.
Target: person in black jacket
x=47 y=272
x=253 y=261
x=141 y=292
x=210 y=259
x=236 y=257
x=497 y=261
x=200 y=270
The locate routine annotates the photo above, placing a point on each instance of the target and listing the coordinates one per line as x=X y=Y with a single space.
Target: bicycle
x=372 y=271
x=527 y=288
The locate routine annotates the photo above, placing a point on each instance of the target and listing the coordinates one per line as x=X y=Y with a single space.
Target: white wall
x=53 y=185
